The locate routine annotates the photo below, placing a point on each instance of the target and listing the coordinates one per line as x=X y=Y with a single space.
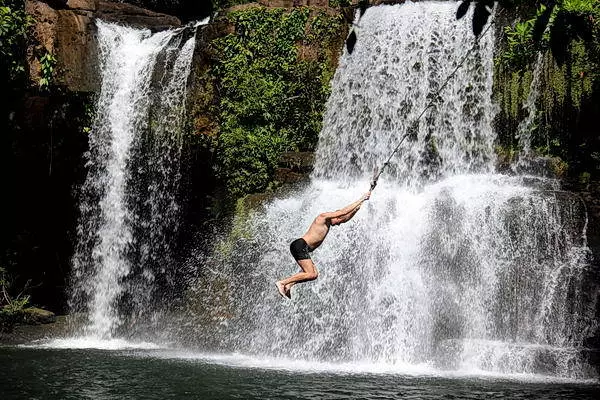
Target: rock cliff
x=66 y=30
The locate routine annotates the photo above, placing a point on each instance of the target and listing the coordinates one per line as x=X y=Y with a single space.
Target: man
x=300 y=248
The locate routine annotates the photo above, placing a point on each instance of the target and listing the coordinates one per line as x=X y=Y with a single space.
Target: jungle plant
x=47 y=65
x=14 y=24
x=11 y=308
x=339 y=3
x=556 y=25
x=273 y=75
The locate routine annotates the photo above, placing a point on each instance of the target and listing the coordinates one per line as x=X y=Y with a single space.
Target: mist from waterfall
x=129 y=201
x=449 y=266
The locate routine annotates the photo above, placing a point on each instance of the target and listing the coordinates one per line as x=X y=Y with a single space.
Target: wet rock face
x=89 y=5
x=135 y=16
x=186 y=10
x=68 y=35
x=294 y=167
x=66 y=29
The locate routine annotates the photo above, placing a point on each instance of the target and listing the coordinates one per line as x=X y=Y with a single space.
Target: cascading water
x=410 y=54
x=128 y=205
x=527 y=125
x=448 y=266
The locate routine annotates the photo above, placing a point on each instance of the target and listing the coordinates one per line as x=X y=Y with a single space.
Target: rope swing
x=434 y=98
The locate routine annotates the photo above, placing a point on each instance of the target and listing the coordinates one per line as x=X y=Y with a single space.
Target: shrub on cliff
x=562 y=35
x=556 y=26
x=273 y=78
x=14 y=24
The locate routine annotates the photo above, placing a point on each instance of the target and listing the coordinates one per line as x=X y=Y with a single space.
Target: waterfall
x=528 y=125
x=448 y=266
x=401 y=60
x=128 y=205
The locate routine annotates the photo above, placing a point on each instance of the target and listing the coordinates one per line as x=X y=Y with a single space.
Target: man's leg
x=309 y=273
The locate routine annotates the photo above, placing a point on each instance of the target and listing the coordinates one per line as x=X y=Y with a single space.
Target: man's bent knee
x=312 y=275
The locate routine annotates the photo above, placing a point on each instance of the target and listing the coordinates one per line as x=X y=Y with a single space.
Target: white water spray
x=448 y=266
x=129 y=199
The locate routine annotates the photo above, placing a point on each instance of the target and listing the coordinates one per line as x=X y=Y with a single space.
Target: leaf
x=462 y=9
x=480 y=17
x=351 y=42
x=541 y=22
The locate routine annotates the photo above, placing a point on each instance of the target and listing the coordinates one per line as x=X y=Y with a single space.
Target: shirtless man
x=312 y=239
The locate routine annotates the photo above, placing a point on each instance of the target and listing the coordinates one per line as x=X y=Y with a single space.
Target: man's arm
x=348 y=209
x=346 y=217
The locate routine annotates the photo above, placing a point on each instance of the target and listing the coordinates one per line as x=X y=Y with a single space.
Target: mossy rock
x=37 y=316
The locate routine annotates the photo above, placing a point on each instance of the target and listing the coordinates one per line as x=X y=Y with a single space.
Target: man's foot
x=288 y=290
x=281 y=289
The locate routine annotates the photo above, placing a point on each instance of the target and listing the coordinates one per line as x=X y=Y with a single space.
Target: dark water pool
x=33 y=373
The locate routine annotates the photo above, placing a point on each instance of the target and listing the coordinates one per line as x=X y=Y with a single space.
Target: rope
x=432 y=101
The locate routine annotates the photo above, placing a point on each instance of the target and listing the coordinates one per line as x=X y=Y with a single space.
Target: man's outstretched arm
x=348 y=209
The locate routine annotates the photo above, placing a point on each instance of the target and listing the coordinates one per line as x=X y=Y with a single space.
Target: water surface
x=34 y=373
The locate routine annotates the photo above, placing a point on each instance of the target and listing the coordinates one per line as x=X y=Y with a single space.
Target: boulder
x=25 y=333
x=294 y=167
x=287 y=176
x=37 y=316
x=135 y=16
x=87 y=5
x=301 y=161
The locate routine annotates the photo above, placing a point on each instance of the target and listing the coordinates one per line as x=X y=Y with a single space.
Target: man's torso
x=316 y=233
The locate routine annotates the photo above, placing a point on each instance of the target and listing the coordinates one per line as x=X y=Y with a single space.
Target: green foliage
x=16 y=306
x=240 y=230
x=7 y=302
x=520 y=47
x=4 y=299
x=339 y=3
x=555 y=26
x=11 y=308
x=584 y=178
x=558 y=167
x=248 y=158
x=89 y=115
x=14 y=24
x=563 y=35
x=581 y=7
x=47 y=65
x=273 y=75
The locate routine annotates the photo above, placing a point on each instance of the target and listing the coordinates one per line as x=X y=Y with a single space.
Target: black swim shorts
x=300 y=249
